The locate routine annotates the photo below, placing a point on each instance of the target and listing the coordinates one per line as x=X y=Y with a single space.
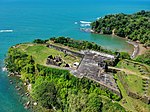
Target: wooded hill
x=132 y=26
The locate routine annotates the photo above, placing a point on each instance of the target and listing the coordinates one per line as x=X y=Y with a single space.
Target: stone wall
x=103 y=86
x=66 y=51
x=145 y=99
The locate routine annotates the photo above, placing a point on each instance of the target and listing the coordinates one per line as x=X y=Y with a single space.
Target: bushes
x=45 y=94
x=40 y=41
x=124 y=55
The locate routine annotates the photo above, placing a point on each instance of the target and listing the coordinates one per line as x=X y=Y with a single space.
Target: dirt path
x=142 y=49
x=128 y=72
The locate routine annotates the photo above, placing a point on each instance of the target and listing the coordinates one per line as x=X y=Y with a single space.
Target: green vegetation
x=72 y=94
x=124 y=55
x=79 y=45
x=135 y=26
x=144 y=58
x=45 y=93
x=135 y=67
x=129 y=103
x=40 y=53
x=84 y=45
x=133 y=82
x=56 y=89
x=40 y=41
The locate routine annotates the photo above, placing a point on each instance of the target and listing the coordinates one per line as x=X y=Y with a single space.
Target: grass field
x=41 y=52
x=131 y=104
x=148 y=91
x=135 y=83
x=138 y=68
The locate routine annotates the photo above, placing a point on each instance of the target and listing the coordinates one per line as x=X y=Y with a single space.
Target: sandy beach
x=142 y=49
x=139 y=49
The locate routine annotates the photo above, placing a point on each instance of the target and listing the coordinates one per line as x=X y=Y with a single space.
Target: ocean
x=26 y=20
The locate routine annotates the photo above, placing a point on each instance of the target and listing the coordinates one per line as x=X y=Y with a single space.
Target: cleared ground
x=131 y=104
x=40 y=53
x=137 y=77
x=138 y=68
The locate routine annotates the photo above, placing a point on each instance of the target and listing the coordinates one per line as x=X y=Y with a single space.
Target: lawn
x=41 y=52
x=131 y=104
x=148 y=91
x=135 y=84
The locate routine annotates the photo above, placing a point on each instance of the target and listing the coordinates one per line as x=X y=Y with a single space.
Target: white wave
x=84 y=25
x=98 y=18
x=5 y=31
x=4 y=69
x=75 y=22
x=85 y=22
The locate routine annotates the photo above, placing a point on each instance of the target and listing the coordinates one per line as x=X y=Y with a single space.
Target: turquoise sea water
x=30 y=19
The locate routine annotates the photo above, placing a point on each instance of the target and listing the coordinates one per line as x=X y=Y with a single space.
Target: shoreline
x=136 y=48
x=139 y=49
x=21 y=89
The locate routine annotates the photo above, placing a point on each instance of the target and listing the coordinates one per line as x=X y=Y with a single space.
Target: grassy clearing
x=135 y=84
x=41 y=52
x=138 y=68
x=132 y=104
x=148 y=91
x=135 y=81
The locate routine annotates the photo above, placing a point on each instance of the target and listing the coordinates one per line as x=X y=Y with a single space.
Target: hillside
x=132 y=26
x=54 y=88
x=89 y=87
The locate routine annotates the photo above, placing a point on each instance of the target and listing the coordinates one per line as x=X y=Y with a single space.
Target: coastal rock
x=10 y=81
x=35 y=103
x=29 y=87
x=26 y=105
x=25 y=84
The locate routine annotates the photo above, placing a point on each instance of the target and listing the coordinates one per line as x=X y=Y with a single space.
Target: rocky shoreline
x=136 y=49
x=22 y=90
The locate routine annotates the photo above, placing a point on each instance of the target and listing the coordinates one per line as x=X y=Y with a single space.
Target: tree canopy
x=57 y=89
x=133 y=26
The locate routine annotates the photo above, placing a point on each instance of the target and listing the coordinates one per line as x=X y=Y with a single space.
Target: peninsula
x=67 y=75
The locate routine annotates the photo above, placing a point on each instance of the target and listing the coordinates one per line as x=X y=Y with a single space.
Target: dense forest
x=58 y=90
x=132 y=26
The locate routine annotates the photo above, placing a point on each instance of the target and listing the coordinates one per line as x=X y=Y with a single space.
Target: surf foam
x=4 y=69
x=85 y=22
x=6 y=31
